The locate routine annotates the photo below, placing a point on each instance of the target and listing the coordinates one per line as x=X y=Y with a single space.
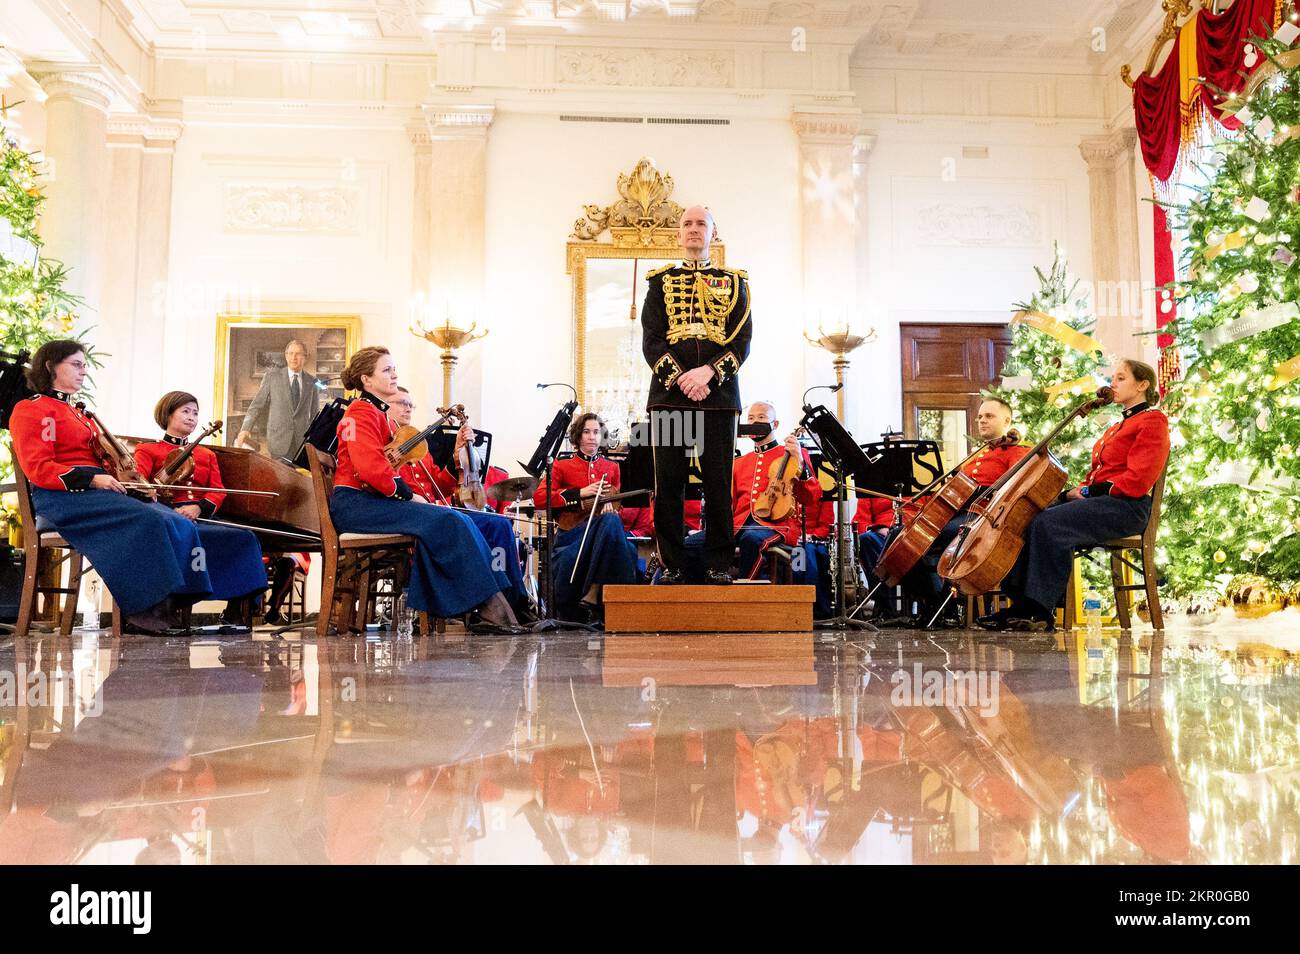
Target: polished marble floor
x=894 y=748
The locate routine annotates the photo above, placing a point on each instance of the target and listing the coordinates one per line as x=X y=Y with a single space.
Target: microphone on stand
x=817 y=387
x=560 y=384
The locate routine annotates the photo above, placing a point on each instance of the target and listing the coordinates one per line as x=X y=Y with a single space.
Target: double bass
x=986 y=549
x=915 y=539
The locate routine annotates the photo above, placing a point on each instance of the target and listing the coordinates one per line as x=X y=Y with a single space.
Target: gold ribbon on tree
x=1285 y=373
x=1077 y=386
x=1055 y=328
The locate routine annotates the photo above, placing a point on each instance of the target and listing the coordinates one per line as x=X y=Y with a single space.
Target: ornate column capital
x=863 y=144
x=89 y=87
x=826 y=128
x=1105 y=149
x=456 y=122
x=154 y=134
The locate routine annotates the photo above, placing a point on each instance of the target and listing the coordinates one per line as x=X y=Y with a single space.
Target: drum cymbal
x=512 y=489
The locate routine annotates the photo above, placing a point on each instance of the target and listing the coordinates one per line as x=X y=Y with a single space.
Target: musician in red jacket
x=749 y=480
x=453 y=570
x=607 y=555
x=438 y=485
x=233 y=554
x=1002 y=450
x=1113 y=501
x=144 y=551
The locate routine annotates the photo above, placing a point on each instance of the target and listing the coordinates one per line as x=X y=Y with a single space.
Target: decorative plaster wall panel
x=277 y=208
x=634 y=67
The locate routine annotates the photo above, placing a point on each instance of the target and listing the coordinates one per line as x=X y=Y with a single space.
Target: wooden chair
x=44 y=556
x=1144 y=542
x=354 y=563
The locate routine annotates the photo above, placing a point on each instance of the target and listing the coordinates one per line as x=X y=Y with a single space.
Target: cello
x=986 y=549
x=915 y=539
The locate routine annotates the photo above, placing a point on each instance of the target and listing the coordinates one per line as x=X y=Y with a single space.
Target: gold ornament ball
x=1254 y=597
x=1220 y=556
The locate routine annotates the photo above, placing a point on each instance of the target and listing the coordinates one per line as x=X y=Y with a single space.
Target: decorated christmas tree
x=1233 y=503
x=34 y=307
x=1053 y=363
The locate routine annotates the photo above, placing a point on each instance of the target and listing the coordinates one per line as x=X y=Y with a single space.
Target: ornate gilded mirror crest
x=609 y=288
x=644 y=216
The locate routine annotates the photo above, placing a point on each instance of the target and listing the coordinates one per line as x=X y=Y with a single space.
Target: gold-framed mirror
x=609 y=253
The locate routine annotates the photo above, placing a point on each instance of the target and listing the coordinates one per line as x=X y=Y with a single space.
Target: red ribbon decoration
x=1161 y=120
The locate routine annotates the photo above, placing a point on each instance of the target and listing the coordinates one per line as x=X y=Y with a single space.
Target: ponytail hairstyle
x=361 y=365
x=1144 y=372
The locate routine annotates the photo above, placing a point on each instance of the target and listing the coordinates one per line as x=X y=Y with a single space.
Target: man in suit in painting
x=284 y=406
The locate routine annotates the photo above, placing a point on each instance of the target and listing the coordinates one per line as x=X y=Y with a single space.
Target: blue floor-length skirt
x=607 y=557
x=144 y=552
x=234 y=559
x=499 y=534
x=451 y=572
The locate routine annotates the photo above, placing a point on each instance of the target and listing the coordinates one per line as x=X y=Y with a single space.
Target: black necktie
x=295 y=390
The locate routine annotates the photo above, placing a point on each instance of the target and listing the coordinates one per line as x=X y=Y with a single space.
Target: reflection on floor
x=899 y=748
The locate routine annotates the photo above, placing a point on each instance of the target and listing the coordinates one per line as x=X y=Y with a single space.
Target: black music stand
x=322 y=433
x=895 y=465
x=13 y=383
x=897 y=462
x=841 y=458
x=543 y=461
x=442 y=445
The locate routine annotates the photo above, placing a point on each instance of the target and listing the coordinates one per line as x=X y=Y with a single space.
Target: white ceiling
x=1036 y=29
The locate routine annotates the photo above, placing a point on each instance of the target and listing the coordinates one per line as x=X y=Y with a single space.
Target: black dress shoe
x=273 y=618
x=671 y=578
x=477 y=623
x=995 y=621
x=1030 y=624
x=718 y=578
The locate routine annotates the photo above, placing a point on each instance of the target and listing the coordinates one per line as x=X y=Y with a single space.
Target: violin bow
x=595 y=505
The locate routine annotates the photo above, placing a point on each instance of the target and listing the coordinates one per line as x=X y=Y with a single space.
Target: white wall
x=356 y=263
x=950 y=239
x=541 y=172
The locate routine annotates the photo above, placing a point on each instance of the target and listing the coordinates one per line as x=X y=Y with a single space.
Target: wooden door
x=945 y=367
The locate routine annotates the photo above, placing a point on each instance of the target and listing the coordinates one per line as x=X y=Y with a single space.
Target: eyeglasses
x=79 y=365
x=406 y=404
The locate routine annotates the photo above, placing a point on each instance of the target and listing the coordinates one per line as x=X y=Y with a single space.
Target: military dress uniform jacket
x=749 y=480
x=987 y=467
x=1131 y=455
x=695 y=315
x=149 y=459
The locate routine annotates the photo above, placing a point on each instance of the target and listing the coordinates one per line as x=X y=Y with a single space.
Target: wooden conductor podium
x=739 y=608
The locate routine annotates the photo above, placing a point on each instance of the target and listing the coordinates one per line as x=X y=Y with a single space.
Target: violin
x=777 y=501
x=983 y=553
x=113 y=456
x=178 y=467
x=410 y=444
x=469 y=485
x=919 y=534
x=569 y=516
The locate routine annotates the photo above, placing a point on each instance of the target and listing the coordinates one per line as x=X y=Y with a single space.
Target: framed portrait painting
x=249 y=347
